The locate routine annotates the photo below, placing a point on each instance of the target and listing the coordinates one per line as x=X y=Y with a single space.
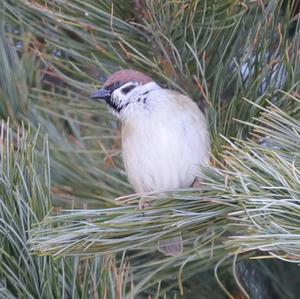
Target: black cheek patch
x=126 y=89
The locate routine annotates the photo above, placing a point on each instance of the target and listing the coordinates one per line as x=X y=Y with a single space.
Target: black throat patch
x=111 y=88
x=109 y=101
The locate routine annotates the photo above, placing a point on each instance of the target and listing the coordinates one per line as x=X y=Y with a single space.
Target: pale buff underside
x=164 y=144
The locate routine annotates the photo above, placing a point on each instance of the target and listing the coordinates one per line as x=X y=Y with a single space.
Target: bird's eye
x=126 y=89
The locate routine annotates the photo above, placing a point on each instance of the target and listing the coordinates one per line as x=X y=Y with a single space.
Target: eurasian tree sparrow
x=164 y=136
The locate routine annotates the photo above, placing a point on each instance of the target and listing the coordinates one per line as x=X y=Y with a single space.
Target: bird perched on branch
x=164 y=136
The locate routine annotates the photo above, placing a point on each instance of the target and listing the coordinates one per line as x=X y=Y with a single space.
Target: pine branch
x=251 y=204
x=217 y=52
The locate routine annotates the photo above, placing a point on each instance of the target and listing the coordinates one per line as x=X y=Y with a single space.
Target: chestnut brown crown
x=125 y=76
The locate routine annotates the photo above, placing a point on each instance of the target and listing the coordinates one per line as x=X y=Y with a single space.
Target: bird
x=165 y=136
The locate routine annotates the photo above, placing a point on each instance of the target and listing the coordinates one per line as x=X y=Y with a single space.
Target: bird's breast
x=164 y=151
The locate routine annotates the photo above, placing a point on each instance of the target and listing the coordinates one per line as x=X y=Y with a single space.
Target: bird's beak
x=101 y=94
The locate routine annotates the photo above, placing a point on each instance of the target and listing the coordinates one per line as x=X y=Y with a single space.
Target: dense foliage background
x=63 y=234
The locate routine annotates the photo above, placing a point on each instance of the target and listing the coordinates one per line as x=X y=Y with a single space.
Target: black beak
x=101 y=94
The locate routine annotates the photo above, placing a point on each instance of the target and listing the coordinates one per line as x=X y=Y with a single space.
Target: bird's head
x=122 y=89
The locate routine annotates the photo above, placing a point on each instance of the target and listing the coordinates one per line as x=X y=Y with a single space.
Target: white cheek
x=115 y=97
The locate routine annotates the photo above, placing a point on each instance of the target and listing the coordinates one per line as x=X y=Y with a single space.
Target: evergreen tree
x=69 y=226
